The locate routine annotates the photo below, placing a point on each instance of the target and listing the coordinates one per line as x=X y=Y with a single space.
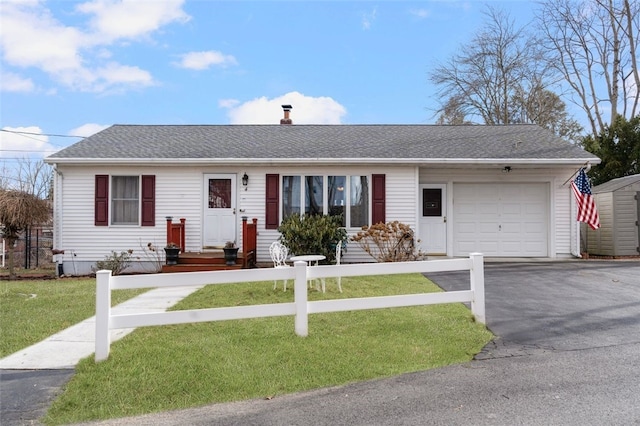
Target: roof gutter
x=322 y=161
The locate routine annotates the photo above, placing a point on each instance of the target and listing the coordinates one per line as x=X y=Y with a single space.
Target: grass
x=32 y=310
x=172 y=367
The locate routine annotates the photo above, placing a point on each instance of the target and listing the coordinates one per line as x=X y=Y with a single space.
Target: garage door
x=509 y=220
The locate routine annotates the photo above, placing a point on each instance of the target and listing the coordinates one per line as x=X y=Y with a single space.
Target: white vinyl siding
x=179 y=193
x=563 y=238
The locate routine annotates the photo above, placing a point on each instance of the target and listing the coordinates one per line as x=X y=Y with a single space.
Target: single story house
x=618 y=203
x=499 y=190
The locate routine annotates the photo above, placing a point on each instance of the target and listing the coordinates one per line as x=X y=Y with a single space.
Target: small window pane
x=313 y=198
x=125 y=200
x=336 y=194
x=219 y=193
x=290 y=196
x=431 y=202
x=359 y=201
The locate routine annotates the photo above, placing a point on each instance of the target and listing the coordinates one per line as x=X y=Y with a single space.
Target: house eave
x=436 y=162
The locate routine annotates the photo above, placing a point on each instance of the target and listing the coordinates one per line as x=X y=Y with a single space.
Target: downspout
x=57 y=218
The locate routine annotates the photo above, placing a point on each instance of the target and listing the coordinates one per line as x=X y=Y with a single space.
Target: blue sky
x=76 y=67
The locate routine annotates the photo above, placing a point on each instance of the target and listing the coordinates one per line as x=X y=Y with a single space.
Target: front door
x=219 y=224
x=433 y=219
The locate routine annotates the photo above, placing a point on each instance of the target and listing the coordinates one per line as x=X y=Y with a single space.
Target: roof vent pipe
x=286 y=119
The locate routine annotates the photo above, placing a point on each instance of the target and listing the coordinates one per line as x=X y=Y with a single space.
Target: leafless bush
x=389 y=242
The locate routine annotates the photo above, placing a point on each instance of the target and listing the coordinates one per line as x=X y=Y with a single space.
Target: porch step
x=204 y=261
x=194 y=267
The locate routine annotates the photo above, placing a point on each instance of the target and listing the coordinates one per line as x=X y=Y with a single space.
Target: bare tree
x=30 y=176
x=485 y=79
x=545 y=108
x=593 y=44
x=452 y=113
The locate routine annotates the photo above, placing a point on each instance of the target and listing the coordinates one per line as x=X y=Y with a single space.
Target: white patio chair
x=278 y=253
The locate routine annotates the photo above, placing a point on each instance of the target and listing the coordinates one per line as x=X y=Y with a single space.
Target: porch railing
x=176 y=235
x=249 y=242
x=175 y=232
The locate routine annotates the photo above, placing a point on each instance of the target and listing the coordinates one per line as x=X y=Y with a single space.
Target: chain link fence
x=32 y=250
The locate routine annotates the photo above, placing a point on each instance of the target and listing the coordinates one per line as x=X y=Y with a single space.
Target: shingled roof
x=318 y=143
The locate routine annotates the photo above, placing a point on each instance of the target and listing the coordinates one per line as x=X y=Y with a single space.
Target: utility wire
x=41 y=134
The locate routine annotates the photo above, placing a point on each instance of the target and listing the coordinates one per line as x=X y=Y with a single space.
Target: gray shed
x=618 y=203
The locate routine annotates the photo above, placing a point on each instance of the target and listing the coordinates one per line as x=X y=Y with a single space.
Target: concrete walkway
x=65 y=349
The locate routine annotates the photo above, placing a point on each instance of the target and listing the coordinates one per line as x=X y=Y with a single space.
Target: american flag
x=587 y=211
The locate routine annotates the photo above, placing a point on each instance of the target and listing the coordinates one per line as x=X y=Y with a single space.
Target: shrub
x=312 y=234
x=152 y=256
x=115 y=262
x=389 y=242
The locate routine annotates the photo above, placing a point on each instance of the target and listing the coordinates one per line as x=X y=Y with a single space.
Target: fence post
x=300 y=299
x=477 y=287
x=103 y=314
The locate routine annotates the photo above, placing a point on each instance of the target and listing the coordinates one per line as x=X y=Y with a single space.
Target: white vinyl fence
x=300 y=308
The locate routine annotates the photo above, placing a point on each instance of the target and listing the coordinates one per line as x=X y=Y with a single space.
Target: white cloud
x=87 y=130
x=420 y=13
x=114 y=74
x=368 y=18
x=24 y=142
x=228 y=103
x=131 y=19
x=306 y=110
x=30 y=37
x=10 y=82
x=204 y=60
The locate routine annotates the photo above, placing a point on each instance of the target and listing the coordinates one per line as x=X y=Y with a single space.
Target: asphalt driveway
x=567 y=353
x=563 y=306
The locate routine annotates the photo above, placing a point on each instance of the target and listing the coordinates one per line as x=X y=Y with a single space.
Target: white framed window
x=335 y=195
x=125 y=200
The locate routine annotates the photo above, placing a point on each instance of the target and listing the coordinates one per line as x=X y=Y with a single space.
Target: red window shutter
x=379 y=199
x=101 y=212
x=148 y=200
x=272 y=219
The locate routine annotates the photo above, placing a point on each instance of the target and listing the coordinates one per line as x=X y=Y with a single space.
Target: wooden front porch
x=211 y=260
x=206 y=261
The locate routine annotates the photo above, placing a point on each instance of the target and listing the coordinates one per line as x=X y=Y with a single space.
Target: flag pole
x=586 y=165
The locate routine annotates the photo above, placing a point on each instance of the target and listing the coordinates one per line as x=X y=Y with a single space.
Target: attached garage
x=501 y=219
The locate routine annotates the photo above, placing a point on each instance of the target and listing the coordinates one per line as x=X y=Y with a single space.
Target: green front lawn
x=172 y=367
x=32 y=310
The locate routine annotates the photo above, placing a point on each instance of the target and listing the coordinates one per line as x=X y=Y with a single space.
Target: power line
x=25 y=150
x=41 y=134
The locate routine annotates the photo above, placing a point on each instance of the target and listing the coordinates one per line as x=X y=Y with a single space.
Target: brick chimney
x=286 y=119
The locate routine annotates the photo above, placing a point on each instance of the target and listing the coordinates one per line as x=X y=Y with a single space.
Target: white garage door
x=509 y=220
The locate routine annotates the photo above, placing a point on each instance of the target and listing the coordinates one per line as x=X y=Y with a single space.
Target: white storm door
x=219 y=223
x=433 y=219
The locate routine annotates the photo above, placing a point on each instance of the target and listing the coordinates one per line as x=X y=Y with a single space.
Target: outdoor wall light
x=245 y=181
